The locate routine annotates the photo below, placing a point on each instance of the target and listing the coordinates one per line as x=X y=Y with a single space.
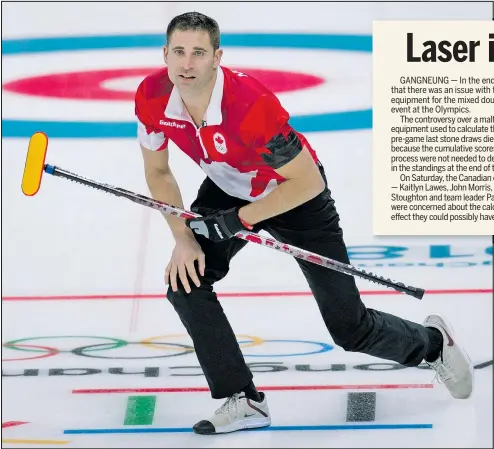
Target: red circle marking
x=51 y=351
x=87 y=85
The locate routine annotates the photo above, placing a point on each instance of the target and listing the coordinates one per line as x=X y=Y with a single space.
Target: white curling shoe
x=237 y=413
x=453 y=366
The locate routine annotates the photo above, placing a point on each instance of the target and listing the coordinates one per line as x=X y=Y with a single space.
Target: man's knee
x=345 y=341
x=178 y=299
x=353 y=335
x=180 y=296
x=185 y=306
x=199 y=304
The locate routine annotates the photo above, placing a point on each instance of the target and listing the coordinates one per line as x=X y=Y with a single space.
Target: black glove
x=218 y=227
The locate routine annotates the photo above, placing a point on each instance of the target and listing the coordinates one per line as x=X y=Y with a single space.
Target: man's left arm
x=291 y=160
x=266 y=129
x=303 y=181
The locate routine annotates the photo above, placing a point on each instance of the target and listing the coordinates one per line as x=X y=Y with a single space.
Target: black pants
x=313 y=226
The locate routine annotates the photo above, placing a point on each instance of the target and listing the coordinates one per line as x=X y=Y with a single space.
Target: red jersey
x=232 y=145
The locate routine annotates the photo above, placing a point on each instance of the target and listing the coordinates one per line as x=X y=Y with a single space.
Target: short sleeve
x=264 y=120
x=148 y=135
x=267 y=130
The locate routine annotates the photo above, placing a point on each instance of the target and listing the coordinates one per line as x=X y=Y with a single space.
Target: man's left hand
x=220 y=226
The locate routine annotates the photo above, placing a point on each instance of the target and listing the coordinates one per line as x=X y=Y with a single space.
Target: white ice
x=82 y=245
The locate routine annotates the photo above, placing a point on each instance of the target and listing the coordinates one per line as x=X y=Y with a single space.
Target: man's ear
x=165 y=53
x=217 y=57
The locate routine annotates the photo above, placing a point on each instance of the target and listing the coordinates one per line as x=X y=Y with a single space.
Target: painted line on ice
x=21 y=441
x=13 y=423
x=281 y=294
x=265 y=429
x=265 y=388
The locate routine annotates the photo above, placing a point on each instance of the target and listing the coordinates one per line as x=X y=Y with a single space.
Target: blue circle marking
x=331 y=121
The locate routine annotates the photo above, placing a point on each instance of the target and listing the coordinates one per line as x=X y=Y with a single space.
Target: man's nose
x=186 y=63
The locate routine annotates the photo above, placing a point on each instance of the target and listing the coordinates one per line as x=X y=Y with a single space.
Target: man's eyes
x=196 y=53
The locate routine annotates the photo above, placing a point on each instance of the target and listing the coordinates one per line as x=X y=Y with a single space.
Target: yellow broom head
x=35 y=162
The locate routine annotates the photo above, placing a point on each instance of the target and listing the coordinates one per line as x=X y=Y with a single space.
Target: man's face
x=191 y=59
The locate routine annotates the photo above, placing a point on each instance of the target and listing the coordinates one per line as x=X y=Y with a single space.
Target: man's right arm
x=163 y=187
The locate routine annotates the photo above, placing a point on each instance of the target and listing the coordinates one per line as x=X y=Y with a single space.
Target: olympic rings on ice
x=80 y=351
x=51 y=351
x=13 y=343
x=147 y=341
x=245 y=342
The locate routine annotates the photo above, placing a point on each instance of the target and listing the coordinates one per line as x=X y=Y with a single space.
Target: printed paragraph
x=434 y=141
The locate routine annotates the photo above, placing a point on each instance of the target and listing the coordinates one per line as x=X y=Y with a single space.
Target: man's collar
x=176 y=109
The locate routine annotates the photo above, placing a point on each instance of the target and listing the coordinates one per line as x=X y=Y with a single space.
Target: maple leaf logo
x=219 y=143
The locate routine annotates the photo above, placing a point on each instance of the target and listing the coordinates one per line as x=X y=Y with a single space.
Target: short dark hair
x=195 y=21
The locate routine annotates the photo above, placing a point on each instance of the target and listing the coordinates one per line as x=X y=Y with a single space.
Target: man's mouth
x=187 y=77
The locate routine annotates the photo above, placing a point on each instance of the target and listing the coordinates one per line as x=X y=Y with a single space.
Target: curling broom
x=31 y=182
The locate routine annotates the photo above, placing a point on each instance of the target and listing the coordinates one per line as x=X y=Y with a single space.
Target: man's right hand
x=164 y=187
x=182 y=262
